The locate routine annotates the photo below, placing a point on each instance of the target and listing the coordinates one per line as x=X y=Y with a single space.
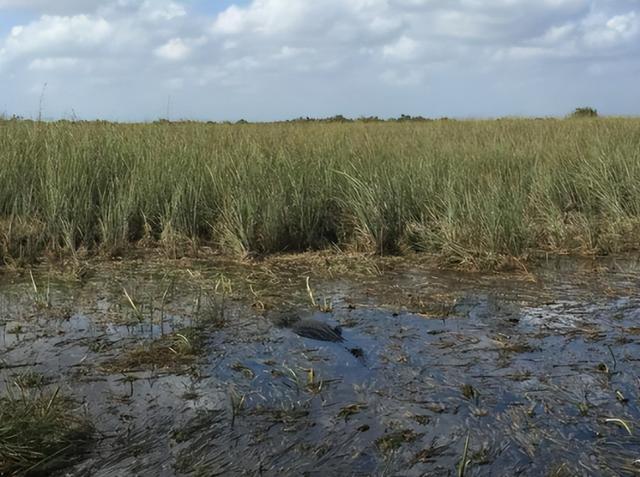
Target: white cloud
x=51 y=64
x=175 y=49
x=601 y=31
x=334 y=18
x=404 y=48
x=162 y=10
x=55 y=33
x=232 y=20
x=301 y=57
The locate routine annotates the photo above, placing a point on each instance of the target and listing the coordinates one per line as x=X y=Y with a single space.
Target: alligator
x=316 y=330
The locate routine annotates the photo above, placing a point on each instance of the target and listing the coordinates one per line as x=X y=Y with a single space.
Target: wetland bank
x=156 y=318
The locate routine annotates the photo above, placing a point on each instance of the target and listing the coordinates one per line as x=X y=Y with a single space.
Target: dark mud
x=538 y=371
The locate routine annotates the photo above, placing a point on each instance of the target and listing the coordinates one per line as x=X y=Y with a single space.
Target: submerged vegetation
x=475 y=193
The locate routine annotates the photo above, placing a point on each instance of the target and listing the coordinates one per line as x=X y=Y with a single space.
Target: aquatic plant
x=40 y=432
x=174 y=351
x=464 y=462
x=325 y=305
x=237 y=401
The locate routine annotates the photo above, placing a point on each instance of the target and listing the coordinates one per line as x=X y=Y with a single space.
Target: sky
x=261 y=60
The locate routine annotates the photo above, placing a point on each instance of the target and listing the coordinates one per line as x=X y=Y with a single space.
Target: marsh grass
x=29 y=380
x=394 y=440
x=40 y=432
x=475 y=193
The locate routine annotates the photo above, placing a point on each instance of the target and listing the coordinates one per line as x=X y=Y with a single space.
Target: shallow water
x=528 y=367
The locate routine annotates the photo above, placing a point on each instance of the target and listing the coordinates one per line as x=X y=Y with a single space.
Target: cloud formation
x=271 y=59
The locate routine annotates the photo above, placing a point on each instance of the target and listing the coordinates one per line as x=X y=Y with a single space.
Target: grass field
x=473 y=193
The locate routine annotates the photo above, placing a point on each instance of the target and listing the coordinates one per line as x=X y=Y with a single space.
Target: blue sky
x=277 y=59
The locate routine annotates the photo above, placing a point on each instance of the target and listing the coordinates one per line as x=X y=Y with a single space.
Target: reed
x=470 y=192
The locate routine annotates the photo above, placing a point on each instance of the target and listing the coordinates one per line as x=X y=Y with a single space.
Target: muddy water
x=539 y=372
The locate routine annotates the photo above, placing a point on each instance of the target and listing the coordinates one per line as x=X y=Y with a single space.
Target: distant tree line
x=339 y=118
x=582 y=112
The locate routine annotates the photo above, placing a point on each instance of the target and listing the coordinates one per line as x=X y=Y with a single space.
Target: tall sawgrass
x=469 y=191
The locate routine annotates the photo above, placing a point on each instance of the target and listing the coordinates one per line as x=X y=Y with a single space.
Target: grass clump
x=29 y=380
x=169 y=352
x=475 y=193
x=40 y=432
x=392 y=441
